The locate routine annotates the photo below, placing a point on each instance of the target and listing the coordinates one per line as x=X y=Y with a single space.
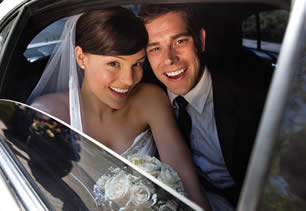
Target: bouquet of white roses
x=158 y=169
x=125 y=190
x=128 y=192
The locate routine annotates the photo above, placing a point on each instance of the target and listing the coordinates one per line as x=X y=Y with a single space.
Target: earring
x=83 y=67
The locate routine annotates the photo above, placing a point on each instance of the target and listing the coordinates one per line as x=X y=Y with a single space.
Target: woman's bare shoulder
x=149 y=90
x=150 y=95
x=55 y=104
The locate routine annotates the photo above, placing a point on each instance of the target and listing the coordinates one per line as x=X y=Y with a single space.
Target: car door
x=9 y=11
x=50 y=166
x=277 y=171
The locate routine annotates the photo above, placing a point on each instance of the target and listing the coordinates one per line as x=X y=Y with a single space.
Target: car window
x=43 y=44
x=65 y=166
x=133 y=7
x=285 y=186
x=4 y=33
x=263 y=32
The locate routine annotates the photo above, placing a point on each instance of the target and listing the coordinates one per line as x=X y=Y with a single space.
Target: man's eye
x=181 y=41
x=114 y=64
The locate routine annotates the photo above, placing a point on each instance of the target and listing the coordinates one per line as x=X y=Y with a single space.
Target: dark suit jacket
x=240 y=84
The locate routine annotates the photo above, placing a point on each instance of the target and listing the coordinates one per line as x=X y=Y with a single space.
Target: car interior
x=236 y=32
x=223 y=23
x=243 y=32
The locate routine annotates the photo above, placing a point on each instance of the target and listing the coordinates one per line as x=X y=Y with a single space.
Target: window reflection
x=63 y=166
x=47 y=154
x=285 y=188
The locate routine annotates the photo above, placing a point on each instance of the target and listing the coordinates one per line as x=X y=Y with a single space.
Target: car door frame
x=287 y=65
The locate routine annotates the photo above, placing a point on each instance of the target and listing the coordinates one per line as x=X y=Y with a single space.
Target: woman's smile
x=122 y=93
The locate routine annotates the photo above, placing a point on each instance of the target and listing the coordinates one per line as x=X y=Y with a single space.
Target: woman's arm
x=55 y=104
x=170 y=143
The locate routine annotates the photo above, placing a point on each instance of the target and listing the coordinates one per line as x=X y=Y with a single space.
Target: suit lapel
x=225 y=115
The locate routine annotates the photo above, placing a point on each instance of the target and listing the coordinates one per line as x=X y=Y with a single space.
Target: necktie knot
x=182 y=103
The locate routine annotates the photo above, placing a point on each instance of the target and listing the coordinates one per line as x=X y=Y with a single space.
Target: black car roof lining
x=46 y=12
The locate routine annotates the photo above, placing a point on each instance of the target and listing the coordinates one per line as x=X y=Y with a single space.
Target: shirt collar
x=197 y=96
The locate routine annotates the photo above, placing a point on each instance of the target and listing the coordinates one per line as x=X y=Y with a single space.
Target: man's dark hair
x=151 y=11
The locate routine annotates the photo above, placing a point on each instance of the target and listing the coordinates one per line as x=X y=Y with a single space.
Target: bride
x=92 y=82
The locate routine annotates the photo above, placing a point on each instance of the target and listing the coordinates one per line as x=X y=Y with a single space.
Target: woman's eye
x=114 y=64
x=154 y=49
x=139 y=64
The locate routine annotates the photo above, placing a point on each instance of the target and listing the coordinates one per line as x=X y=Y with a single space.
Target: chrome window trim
x=266 y=140
x=7 y=195
x=8 y=7
x=23 y=189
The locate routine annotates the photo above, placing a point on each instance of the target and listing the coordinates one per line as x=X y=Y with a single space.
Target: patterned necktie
x=184 y=119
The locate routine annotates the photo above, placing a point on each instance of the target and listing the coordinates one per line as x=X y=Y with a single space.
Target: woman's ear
x=203 y=38
x=80 y=57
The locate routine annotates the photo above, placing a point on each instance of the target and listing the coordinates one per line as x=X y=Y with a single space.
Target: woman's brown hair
x=111 y=31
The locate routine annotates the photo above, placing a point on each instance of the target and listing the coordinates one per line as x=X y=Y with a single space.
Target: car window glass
x=43 y=44
x=4 y=33
x=65 y=166
x=285 y=188
x=268 y=34
x=133 y=7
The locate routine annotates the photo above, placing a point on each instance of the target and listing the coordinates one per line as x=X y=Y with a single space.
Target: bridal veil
x=62 y=73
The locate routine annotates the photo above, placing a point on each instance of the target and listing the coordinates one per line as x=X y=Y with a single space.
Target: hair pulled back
x=111 y=31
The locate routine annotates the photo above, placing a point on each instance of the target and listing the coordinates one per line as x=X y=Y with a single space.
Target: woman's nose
x=170 y=56
x=127 y=77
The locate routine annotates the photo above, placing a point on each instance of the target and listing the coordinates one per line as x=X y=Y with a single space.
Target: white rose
x=168 y=175
x=151 y=168
x=169 y=206
x=141 y=195
x=102 y=181
x=117 y=189
x=149 y=164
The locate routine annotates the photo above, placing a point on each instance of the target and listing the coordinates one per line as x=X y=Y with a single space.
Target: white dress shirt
x=205 y=147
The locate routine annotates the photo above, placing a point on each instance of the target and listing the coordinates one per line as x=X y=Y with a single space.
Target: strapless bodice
x=143 y=144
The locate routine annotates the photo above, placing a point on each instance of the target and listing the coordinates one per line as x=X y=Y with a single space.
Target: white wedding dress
x=143 y=144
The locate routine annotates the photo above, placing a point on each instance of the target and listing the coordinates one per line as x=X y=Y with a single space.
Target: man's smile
x=176 y=74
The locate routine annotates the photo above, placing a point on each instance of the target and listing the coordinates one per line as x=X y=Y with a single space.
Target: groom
x=223 y=98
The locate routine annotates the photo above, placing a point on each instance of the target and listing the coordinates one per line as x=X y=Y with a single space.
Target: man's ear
x=80 y=57
x=203 y=38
